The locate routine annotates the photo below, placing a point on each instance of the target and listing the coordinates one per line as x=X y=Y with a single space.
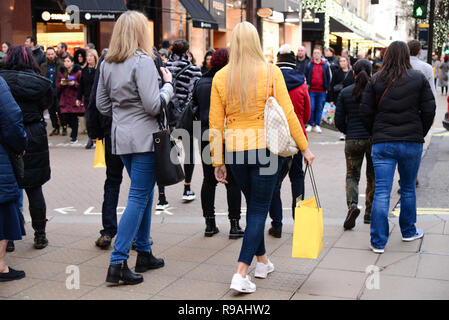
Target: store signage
x=99 y=16
x=218 y=11
x=308 y=15
x=47 y=16
x=204 y=25
x=264 y=12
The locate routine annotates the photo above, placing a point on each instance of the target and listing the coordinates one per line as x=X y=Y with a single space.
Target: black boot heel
x=146 y=261
x=121 y=273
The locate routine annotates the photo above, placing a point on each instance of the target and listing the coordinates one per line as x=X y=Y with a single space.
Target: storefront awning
x=96 y=6
x=201 y=18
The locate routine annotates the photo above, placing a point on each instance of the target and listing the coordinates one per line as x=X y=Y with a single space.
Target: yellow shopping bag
x=99 y=159
x=308 y=227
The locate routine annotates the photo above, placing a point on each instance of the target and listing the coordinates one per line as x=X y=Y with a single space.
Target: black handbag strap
x=179 y=73
x=314 y=187
x=162 y=118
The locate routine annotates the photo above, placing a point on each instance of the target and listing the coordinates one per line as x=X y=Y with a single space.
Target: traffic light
x=420 y=9
x=446 y=51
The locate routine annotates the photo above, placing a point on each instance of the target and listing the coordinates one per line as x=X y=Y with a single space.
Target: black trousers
x=234 y=195
x=54 y=111
x=37 y=206
x=71 y=119
x=189 y=160
x=114 y=177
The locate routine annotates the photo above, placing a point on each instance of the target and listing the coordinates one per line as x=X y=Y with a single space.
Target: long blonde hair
x=95 y=54
x=130 y=33
x=244 y=58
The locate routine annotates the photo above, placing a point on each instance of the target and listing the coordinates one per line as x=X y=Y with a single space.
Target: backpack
x=175 y=107
x=277 y=131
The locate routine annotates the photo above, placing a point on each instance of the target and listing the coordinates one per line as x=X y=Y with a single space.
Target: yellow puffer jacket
x=246 y=130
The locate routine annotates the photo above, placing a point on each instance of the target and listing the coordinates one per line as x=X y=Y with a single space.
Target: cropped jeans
x=407 y=156
x=136 y=220
x=258 y=186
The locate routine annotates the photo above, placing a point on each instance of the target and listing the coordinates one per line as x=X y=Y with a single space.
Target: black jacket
x=33 y=94
x=86 y=83
x=201 y=97
x=339 y=77
x=39 y=55
x=347 y=117
x=405 y=113
x=302 y=65
x=98 y=125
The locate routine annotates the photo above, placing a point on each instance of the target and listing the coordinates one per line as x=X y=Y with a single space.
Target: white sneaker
x=243 y=285
x=317 y=129
x=162 y=205
x=418 y=235
x=342 y=137
x=376 y=250
x=262 y=269
x=309 y=128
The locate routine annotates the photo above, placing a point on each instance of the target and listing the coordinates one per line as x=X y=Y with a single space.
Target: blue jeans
x=136 y=220
x=407 y=156
x=317 y=100
x=296 y=174
x=258 y=190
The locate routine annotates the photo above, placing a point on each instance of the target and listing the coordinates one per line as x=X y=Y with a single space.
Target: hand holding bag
x=308 y=228
x=277 y=131
x=168 y=172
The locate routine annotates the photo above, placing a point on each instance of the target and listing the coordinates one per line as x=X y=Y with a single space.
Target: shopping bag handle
x=314 y=187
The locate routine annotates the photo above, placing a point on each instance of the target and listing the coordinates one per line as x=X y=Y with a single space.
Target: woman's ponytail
x=362 y=70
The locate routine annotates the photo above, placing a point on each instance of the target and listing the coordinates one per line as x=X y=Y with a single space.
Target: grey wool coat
x=129 y=92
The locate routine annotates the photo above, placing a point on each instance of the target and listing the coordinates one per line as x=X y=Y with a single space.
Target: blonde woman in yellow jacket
x=238 y=97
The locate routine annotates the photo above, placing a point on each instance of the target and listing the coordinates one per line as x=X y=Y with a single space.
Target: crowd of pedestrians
x=128 y=92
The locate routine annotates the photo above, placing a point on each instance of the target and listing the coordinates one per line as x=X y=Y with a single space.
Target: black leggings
x=37 y=204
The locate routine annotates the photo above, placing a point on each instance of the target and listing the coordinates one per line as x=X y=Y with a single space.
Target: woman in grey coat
x=128 y=90
x=444 y=74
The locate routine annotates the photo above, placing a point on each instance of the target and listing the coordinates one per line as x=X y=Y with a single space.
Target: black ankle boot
x=40 y=239
x=121 y=272
x=146 y=261
x=211 y=227
x=236 y=232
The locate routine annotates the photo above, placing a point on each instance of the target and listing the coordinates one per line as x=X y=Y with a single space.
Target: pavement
x=201 y=268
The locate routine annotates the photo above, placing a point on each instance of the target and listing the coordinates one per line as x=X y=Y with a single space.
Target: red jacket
x=67 y=100
x=301 y=102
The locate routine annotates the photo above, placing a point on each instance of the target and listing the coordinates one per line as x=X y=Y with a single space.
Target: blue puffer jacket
x=13 y=137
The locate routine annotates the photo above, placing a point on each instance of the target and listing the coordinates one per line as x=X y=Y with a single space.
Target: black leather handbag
x=168 y=168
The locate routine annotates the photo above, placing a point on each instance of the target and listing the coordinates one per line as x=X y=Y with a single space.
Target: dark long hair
x=362 y=70
x=21 y=58
x=396 y=62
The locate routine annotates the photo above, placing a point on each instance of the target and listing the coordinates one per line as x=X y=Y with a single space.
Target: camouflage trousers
x=355 y=151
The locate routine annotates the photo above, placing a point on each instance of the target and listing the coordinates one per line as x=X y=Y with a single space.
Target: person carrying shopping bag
x=239 y=95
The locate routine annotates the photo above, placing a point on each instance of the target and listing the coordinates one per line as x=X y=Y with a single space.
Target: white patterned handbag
x=277 y=131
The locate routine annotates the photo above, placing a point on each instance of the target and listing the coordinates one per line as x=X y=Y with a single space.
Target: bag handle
x=314 y=187
x=270 y=74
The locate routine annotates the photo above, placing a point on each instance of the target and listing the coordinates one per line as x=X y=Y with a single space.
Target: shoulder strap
x=182 y=71
x=270 y=74
x=383 y=94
